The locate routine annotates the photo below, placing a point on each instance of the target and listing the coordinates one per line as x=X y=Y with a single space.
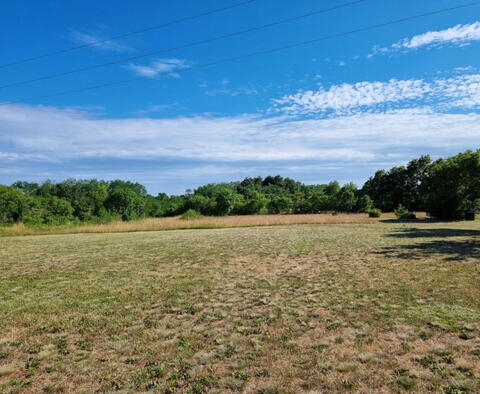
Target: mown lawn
x=379 y=307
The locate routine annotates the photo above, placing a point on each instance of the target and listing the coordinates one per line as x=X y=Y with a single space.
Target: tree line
x=445 y=188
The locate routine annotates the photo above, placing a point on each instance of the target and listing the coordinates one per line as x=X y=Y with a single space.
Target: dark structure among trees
x=446 y=189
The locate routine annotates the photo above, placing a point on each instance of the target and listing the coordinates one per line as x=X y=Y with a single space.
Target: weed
x=202 y=384
x=241 y=375
x=406 y=382
x=268 y=390
x=62 y=345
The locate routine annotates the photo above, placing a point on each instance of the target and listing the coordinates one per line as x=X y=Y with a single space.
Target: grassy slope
x=363 y=307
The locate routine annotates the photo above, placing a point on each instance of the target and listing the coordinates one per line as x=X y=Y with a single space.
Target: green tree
x=280 y=204
x=13 y=204
x=225 y=199
x=346 y=198
x=319 y=200
x=452 y=185
x=126 y=203
x=253 y=202
x=364 y=204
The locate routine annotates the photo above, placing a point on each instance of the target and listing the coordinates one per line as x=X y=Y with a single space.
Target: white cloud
x=459 y=91
x=361 y=127
x=37 y=133
x=168 y=67
x=232 y=91
x=458 y=35
x=98 y=42
x=154 y=109
x=225 y=88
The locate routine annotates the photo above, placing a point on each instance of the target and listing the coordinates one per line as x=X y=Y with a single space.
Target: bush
x=403 y=213
x=13 y=205
x=364 y=204
x=191 y=214
x=126 y=203
x=374 y=213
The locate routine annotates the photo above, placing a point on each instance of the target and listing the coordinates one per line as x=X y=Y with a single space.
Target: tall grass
x=176 y=223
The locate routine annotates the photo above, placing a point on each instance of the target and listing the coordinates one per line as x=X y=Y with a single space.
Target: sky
x=338 y=108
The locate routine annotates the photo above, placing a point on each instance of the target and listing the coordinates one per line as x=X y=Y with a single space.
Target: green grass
x=386 y=307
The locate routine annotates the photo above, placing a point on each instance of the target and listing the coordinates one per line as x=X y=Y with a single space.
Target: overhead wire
x=131 y=33
x=184 y=46
x=257 y=53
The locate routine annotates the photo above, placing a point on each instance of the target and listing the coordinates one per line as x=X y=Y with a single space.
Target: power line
x=135 y=32
x=253 y=54
x=188 y=45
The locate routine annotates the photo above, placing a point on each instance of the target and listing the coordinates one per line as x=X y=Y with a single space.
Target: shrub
x=374 y=213
x=280 y=204
x=364 y=204
x=13 y=205
x=126 y=203
x=403 y=213
x=191 y=214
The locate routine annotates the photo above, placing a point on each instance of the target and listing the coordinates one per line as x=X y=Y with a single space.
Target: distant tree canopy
x=446 y=189
x=453 y=186
x=401 y=185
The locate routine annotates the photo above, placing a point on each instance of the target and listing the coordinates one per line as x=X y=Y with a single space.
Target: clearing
x=365 y=307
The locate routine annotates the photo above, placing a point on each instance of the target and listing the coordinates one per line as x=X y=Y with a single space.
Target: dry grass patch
x=177 y=223
x=285 y=309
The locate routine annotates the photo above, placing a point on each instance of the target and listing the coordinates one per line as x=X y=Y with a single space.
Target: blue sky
x=337 y=109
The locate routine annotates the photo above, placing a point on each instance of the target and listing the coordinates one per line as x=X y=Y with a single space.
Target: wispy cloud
x=350 y=131
x=99 y=42
x=242 y=90
x=171 y=154
x=225 y=88
x=459 y=91
x=39 y=132
x=156 y=108
x=170 y=67
x=457 y=35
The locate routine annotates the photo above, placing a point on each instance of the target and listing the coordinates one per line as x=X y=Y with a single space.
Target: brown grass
x=176 y=223
x=365 y=308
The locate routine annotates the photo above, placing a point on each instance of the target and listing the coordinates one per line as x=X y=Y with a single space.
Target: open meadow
x=206 y=222
x=371 y=306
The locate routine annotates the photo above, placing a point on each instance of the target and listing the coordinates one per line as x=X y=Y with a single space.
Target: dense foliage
x=453 y=186
x=446 y=188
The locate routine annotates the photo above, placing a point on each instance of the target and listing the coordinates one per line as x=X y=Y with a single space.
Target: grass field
x=177 y=223
x=362 y=307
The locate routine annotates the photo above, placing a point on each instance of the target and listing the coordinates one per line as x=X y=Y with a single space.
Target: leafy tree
x=199 y=203
x=30 y=188
x=174 y=205
x=446 y=188
x=346 y=198
x=253 y=202
x=319 y=200
x=333 y=188
x=87 y=197
x=280 y=204
x=403 y=213
x=452 y=185
x=400 y=185
x=13 y=204
x=364 y=204
x=154 y=207
x=126 y=203
x=225 y=199
x=49 y=210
